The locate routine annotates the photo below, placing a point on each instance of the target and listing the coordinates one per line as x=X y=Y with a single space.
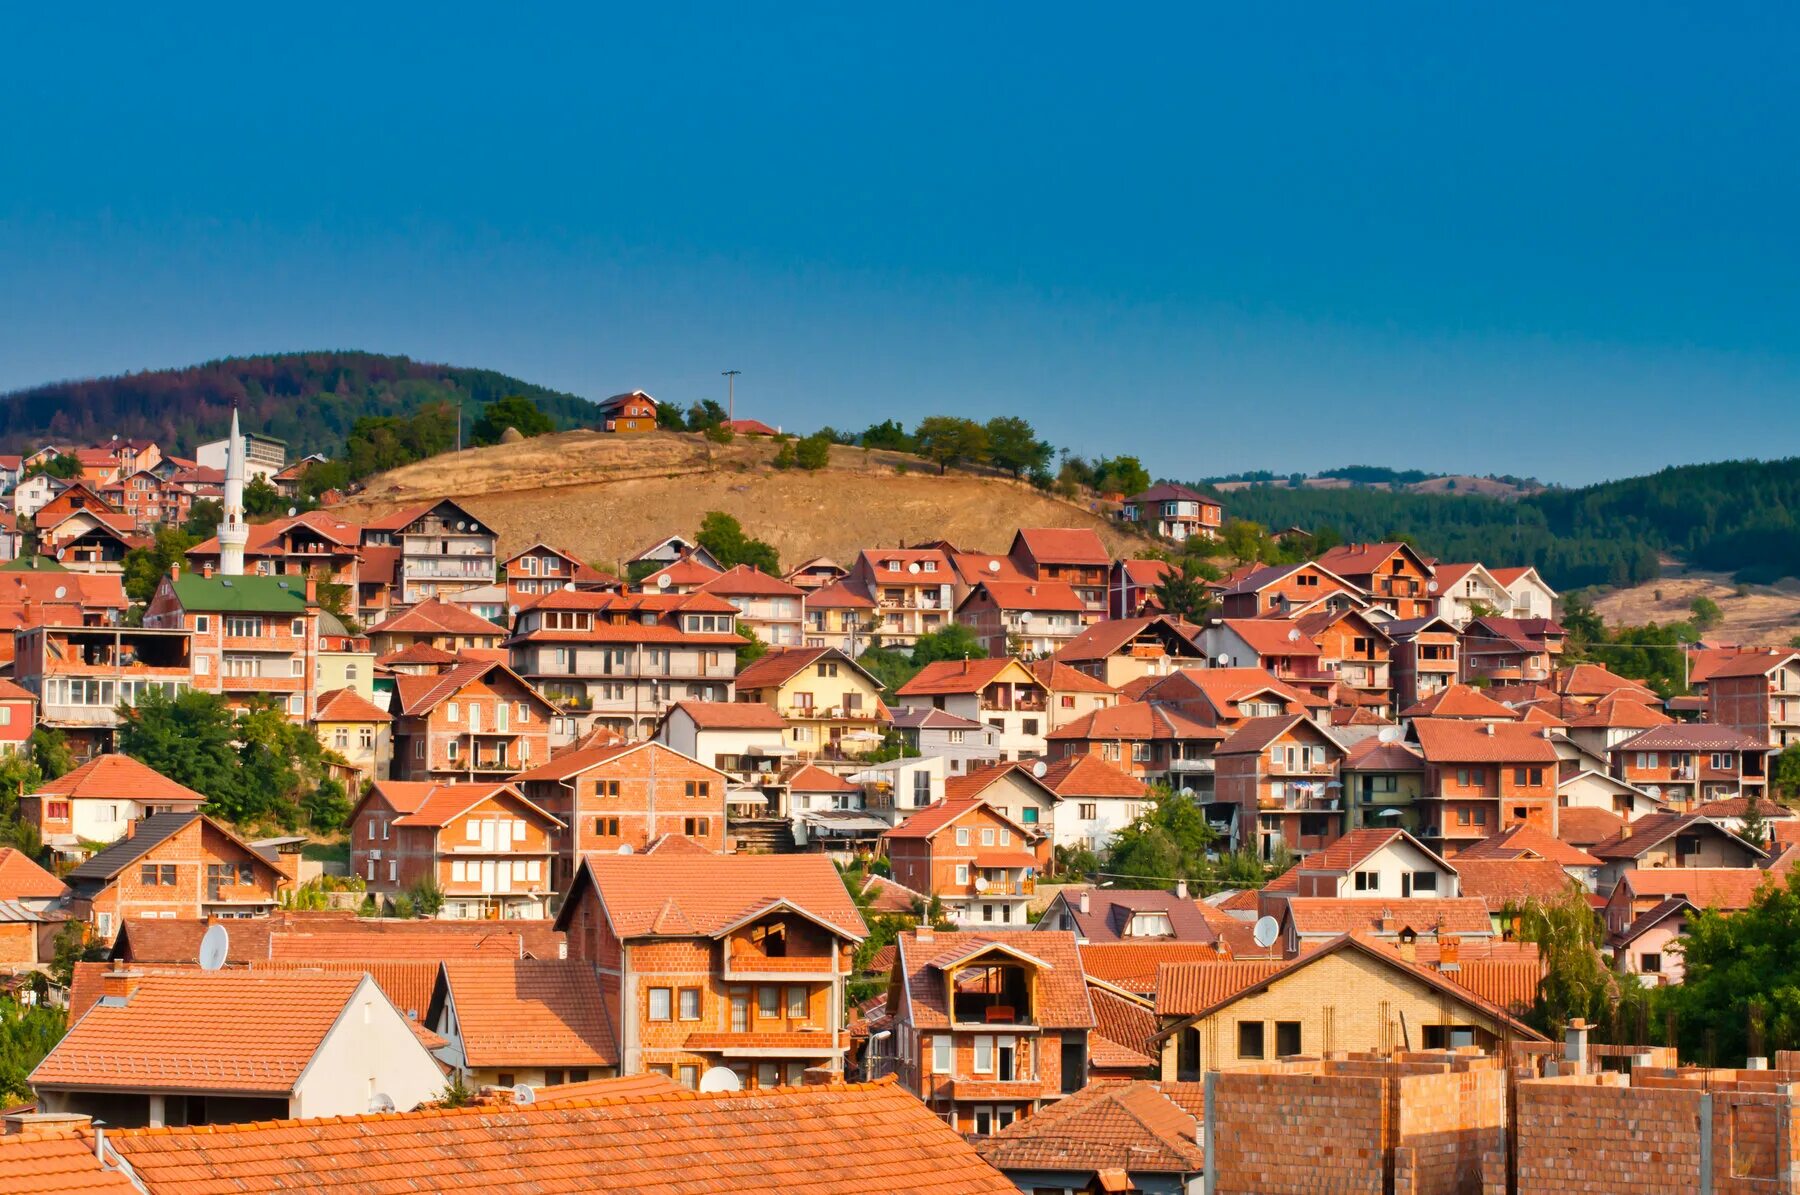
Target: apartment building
x=81 y=674
x=999 y=692
x=770 y=607
x=484 y=845
x=1147 y=739
x=443 y=549
x=1684 y=765
x=914 y=591
x=475 y=721
x=252 y=639
x=1758 y=694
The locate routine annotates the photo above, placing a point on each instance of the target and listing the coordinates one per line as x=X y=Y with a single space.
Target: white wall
x=370 y=1049
x=1112 y=814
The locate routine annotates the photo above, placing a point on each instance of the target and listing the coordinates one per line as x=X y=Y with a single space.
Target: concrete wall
x=371 y=1049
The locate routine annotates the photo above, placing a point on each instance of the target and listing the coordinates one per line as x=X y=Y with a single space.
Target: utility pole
x=730 y=376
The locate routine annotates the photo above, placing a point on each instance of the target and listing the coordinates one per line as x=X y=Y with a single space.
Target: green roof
x=264 y=595
x=32 y=564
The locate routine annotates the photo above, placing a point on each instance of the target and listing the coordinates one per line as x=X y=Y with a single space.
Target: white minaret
x=233 y=534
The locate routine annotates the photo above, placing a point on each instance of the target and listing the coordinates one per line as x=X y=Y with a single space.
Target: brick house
x=770 y=607
x=981 y=863
x=1131 y=587
x=705 y=961
x=1147 y=739
x=317 y=544
x=1356 y=653
x=988 y=1026
x=1425 y=657
x=253 y=638
x=999 y=692
x=507 y=1021
x=625 y=795
x=544 y=569
x=487 y=847
x=1687 y=764
x=632 y=412
x=1072 y=555
x=442 y=550
x=18 y=717
x=1072 y=694
x=1672 y=841
x=478 y=720
x=1276 y=781
x=1394 y=575
x=440 y=624
x=101 y=800
x=1029 y=618
x=1279 y=647
x=1284 y=590
x=1174 y=512
x=1505 y=651
x=1758 y=694
x=1480 y=778
x=913 y=591
x=1120 y=650
x=174 y=865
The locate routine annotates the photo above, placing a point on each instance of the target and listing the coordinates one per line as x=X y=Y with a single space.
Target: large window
x=1287 y=1039
x=1250 y=1039
x=659 y=1004
x=243 y=626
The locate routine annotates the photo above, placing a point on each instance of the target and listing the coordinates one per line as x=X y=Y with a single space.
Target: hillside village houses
x=628 y=819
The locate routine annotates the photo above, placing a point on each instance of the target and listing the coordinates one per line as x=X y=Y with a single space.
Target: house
x=1147 y=739
x=251 y=639
x=631 y=412
x=1383 y=780
x=483 y=845
x=1648 y=947
x=1131 y=587
x=815 y=574
x=101 y=801
x=81 y=531
x=544 y=569
x=770 y=607
x=840 y=616
x=1072 y=694
x=980 y=863
x=1356 y=652
x=34 y=493
x=1506 y=886
x=1644 y=891
x=1351 y=995
x=1015 y=791
x=1504 y=651
x=1123 y=915
x=1394 y=575
x=1000 y=692
x=1121 y=650
x=1671 y=840
x=1462 y=702
x=287 y=480
x=149 y=500
x=1225 y=697
x=1030 y=619
x=1425 y=657
x=1174 y=512
x=624 y=797
x=1286 y=590
x=1096 y=800
x=1530 y=596
x=478 y=720
x=827 y=812
x=1386 y=864
x=181 y=864
x=357 y=731
x=1276 y=785
x=507 y=1021
x=1106 y=1134
x=746 y=741
x=1469 y=591
x=1528 y=842
x=1309 y=922
x=621 y=660
x=684 y=575
x=1758 y=695
x=831 y=704
x=914 y=591
x=706 y=961
x=1481 y=777
x=1074 y=556
x=442 y=549
x=18 y=717
x=962 y=743
x=671 y=548
x=436 y=623
x=230 y=1047
x=82 y=673
x=988 y=1026
x=895 y=789
x=1276 y=646
x=1688 y=764
x=315 y=544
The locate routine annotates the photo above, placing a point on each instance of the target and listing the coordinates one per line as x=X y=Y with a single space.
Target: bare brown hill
x=1751 y=614
x=604 y=497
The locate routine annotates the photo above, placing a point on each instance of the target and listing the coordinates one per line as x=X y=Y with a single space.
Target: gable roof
x=1692 y=736
x=440 y=804
x=1503 y=883
x=1756 y=663
x=1063 y=545
x=1133 y=966
x=1087 y=775
x=981 y=777
x=114 y=776
x=1061 y=678
x=1255 y=734
x=1055 y=596
x=1110 y=911
x=1651 y=830
x=782 y=664
x=1585 y=825
x=1361 y=560
x=1374 y=755
x=1459 y=701
x=434 y=616
x=1726 y=888
x=731 y=715
x=1061 y=990
x=1522 y=841
x=1105 y=638
x=347 y=705
x=1353 y=848
x=578 y=760
x=962 y=676
x=528 y=1012
x=681 y=895
x=1137 y=720
x=927 y=822
x=1131 y=1128
x=151 y=832
x=1449 y=740
x=750 y=582
x=1321 y=916
x=421 y=694
x=1272 y=637
x=22 y=879
x=263 y=595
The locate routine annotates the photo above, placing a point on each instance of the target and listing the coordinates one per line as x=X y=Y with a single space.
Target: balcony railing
x=1193 y=765
x=1004 y=888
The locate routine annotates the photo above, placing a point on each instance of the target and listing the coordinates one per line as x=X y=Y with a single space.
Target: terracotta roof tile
x=1060 y=678
x=1061 y=988
x=711 y=892
x=958 y=676
x=1648 y=831
x=110 y=777
x=57 y=1162
x=1110 y=910
x=347 y=705
x=1692 y=736
x=1126 y=1023
x=1064 y=545
x=1087 y=775
x=732 y=715
x=1503 y=883
x=530 y=1012
x=1137 y=720
x=1132 y=1128
x=1522 y=841
x=1315 y=916
x=1726 y=888
x=1056 y=596
x=750 y=582
x=1459 y=701
x=21 y=879
x=1446 y=740
x=1106 y=638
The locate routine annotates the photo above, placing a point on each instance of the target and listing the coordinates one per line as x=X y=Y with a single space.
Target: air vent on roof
x=226 y=582
x=283 y=584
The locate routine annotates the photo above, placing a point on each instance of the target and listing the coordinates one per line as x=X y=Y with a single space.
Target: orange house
x=632 y=412
x=1481 y=778
x=486 y=847
x=1278 y=779
x=1283 y=589
x=476 y=721
x=982 y=864
x=174 y=865
x=1394 y=576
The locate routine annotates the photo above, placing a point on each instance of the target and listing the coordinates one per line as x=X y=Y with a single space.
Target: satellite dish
x=214 y=944
x=513 y=609
x=913 y=567
x=980 y=884
x=1388 y=734
x=568 y=584
x=523 y=1094
x=1294 y=635
x=663 y=581
x=1224 y=660
x=62 y=591
x=381 y=1101
x=1431 y=587
x=720 y=1078
x=624 y=848
x=1038 y=769
x=1266 y=931
x=462 y=525
x=993 y=566
x=292 y=511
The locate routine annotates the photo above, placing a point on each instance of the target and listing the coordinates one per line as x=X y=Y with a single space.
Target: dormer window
x=1150 y=925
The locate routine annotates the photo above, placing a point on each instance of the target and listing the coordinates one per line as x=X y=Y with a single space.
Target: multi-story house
x=1424 y=658
x=84 y=532
x=149 y=500
x=1276 y=782
x=1393 y=575
x=1016 y=793
x=745 y=740
x=82 y=674
x=438 y=623
x=685 y=574
x=1673 y=841
x=990 y=1025
x=841 y=616
x=1505 y=651
x=1758 y=694
x=1382 y=784
x=484 y=845
x=621 y=660
x=18 y=718
x=1279 y=647
x=668 y=550
x=264 y=456
x=359 y=732
x=1530 y=596
x=815 y=574
x=1687 y=764
x=625 y=797
x=544 y=569
x=1481 y=778
x=774 y=610
x=1073 y=694
x=476 y=721
x=631 y=412
x=913 y=591
x=1147 y=739
x=1174 y=512
x=705 y=961
x=1356 y=651
x=961 y=743
x=1131 y=587
x=832 y=705
x=1075 y=556
x=443 y=549
x=253 y=639
x=981 y=863
x=1284 y=590
x=316 y=544
x=1118 y=651
x=1466 y=592
x=1032 y=619
x=174 y=865
x=1224 y=697
x=1000 y=692
x=102 y=800
x=1095 y=800
x=35 y=493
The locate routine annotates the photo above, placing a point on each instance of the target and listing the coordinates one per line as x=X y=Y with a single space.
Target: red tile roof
x=22 y=879
x=1137 y=720
x=444 y=803
x=1445 y=740
x=1183 y=989
x=810 y=778
x=732 y=715
x=1106 y=638
x=1584 y=826
x=110 y=777
x=1373 y=755
x=1060 y=678
x=1087 y=775
x=1504 y=883
x=747 y=581
x=1593 y=680
x=958 y=676
x=703 y=895
x=347 y=705
x=1651 y=830
x=1350 y=850
x=1313 y=916
x=1725 y=888
x=57 y=1161
x=1131 y=1128
x=421 y=694
x=530 y=1012
x=1459 y=701
x=1063 y=545
x=436 y=617
x=1061 y=991
x=1272 y=636
x=1523 y=841
x=838 y=596
x=1055 y=596
x=781 y=665
x=1692 y=736
x=1748 y=664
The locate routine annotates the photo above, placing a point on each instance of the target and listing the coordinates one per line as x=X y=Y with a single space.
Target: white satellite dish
x=913 y=567
x=513 y=609
x=720 y=1078
x=993 y=566
x=1039 y=768
x=62 y=591
x=663 y=581
x=980 y=884
x=523 y=1094
x=1388 y=734
x=292 y=511
x=461 y=525
x=1431 y=587
x=1294 y=635
x=1266 y=931
x=624 y=848
x=215 y=943
x=381 y=1101
x=1224 y=660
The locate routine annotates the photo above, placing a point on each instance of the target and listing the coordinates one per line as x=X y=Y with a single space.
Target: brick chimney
x=1487 y=728
x=1449 y=950
x=312 y=590
x=120 y=984
x=820 y=1076
x=1386 y=921
x=206 y=569
x=923 y=934
x=175 y=571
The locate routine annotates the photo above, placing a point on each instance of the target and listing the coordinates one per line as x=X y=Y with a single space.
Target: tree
x=1736 y=965
x=718 y=433
x=814 y=452
x=1167 y=842
x=1013 y=445
x=1120 y=475
x=1576 y=980
x=514 y=411
x=262 y=499
x=668 y=417
x=26 y=1035
x=888 y=434
x=191 y=738
x=61 y=465
x=753 y=648
x=1182 y=593
x=723 y=536
x=204 y=517
x=427 y=896
x=1707 y=614
x=1784 y=771
x=146 y=566
x=327 y=807
x=953 y=642
x=949 y=439
x=1754 y=828
x=784 y=455
x=704 y=415
x=50 y=752
x=1245 y=542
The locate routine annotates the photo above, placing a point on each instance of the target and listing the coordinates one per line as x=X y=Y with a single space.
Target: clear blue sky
x=1516 y=239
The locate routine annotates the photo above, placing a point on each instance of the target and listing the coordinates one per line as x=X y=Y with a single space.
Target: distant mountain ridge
x=309 y=399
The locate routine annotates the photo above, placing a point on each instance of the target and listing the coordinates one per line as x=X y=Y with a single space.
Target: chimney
x=120 y=984
x=923 y=934
x=820 y=1076
x=1409 y=948
x=1181 y=890
x=1575 y=1046
x=130 y=827
x=1086 y=902
x=1488 y=729
x=175 y=571
x=1449 y=949
x=206 y=569
x=312 y=590
x=1386 y=921
x=18 y=1122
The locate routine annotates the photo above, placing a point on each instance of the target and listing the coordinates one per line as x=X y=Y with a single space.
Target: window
x=453 y=748
x=1150 y=925
x=202 y=623
x=1462 y=817
x=796 y=1003
x=699 y=788
x=659 y=1004
x=1650 y=964
x=921 y=788
x=962 y=836
x=962 y=873
x=1722 y=762
x=1250 y=1039
x=987 y=836
x=606 y=827
x=1525 y=776
x=1140 y=753
x=1481 y=817
x=984 y=1056
x=340 y=738
x=1030 y=725
x=768 y=1003
x=1368 y=881
x=696 y=827
x=1086 y=810
x=1287 y=1039
x=606 y=788
x=690 y=1004
x=1422 y=881
x=365 y=737
x=690 y=1076
x=941 y=1054
x=453 y=712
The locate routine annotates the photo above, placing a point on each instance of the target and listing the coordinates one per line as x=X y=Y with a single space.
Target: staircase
x=761 y=835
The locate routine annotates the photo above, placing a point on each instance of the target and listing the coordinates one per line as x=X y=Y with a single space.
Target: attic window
x=1150 y=925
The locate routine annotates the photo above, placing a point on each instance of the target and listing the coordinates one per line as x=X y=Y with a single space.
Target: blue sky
x=1508 y=239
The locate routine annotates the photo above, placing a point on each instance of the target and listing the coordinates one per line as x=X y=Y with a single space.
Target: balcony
x=1190 y=766
x=748 y=964
x=996 y=1090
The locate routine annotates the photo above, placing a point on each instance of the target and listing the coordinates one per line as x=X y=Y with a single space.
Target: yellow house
x=1351 y=995
x=831 y=704
x=363 y=733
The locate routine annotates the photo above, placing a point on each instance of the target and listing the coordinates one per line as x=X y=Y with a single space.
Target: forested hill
x=311 y=400
x=1741 y=517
